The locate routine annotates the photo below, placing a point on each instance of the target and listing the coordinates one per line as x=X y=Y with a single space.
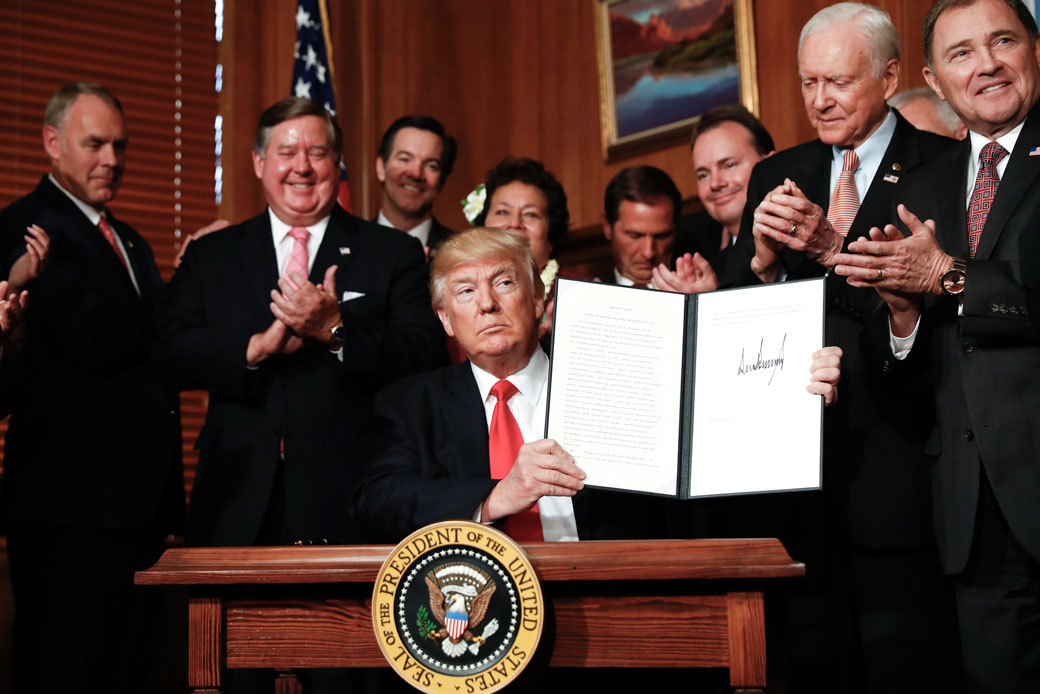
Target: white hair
x=874 y=23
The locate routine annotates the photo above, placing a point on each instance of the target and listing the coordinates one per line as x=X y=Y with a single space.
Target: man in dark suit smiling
x=292 y=320
x=955 y=310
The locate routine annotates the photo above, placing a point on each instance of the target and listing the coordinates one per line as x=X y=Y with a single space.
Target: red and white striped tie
x=845 y=200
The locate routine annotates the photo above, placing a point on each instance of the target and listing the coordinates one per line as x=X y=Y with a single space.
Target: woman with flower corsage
x=520 y=195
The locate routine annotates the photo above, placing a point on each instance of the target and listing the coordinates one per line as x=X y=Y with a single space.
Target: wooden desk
x=309 y=607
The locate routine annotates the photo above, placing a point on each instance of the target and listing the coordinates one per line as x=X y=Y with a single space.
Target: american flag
x=312 y=69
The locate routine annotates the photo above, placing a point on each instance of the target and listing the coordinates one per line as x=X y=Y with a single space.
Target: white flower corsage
x=549 y=276
x=474 y=203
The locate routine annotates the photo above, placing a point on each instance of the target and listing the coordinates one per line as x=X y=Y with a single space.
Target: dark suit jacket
x=438 y=232
x=94 y=438
x=873 y=474
x=984 y=365
x=698 y=233
x=318 y=405
x=429 y=462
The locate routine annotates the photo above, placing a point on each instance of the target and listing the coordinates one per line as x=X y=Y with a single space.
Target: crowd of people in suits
x=364 y=382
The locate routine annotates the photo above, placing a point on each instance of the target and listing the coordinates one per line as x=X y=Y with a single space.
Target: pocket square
x=348 y=296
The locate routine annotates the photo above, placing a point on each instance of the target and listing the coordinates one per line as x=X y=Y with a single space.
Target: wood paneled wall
x=504 y=76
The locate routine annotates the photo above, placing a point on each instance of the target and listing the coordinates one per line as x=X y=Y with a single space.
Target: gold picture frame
x=669 y=76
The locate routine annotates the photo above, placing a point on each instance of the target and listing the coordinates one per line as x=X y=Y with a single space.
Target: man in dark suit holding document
x=466 y=441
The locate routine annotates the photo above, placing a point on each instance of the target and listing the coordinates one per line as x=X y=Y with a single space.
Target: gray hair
x=944 y=113
x=873 y=22
x=63 y=99
x=287 y=109
x=481 y=243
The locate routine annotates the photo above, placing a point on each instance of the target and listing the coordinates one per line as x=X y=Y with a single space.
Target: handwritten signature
x=762 y=363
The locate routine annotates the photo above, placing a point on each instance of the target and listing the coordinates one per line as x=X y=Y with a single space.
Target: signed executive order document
x=688 y=396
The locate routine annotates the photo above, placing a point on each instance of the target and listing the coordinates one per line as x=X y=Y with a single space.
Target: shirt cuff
x=475 y=517
x=901 y=346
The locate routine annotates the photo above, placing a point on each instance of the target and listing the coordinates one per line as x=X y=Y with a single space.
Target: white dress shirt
x=95 y=217
x=420 y=231
x=528 y=407
x=625 y=282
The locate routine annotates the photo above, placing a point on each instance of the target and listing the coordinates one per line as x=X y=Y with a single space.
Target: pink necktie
x=111 y=238
x=985 y=190
x=298 y=257
x=504 y=441
x=845 y=200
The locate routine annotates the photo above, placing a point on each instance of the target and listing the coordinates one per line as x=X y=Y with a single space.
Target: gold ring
x=880 y=274
x=794 y=229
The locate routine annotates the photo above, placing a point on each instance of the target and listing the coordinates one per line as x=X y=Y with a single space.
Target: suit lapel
x=256 y=247
x=814 y=174
x=901 y=155
x=89 y=239
x=463 y=410
x=1018 y=178
x=338 y=247
x=142 y=262
x=950 y=211
x=114 y=264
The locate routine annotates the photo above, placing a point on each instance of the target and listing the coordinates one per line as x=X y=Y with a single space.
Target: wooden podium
x=309 y=607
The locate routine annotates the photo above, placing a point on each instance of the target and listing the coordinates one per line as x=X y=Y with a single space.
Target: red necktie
x=845 y=200
x=298 y=258
x=985 y=190
x=504 y=441
x=111 y=238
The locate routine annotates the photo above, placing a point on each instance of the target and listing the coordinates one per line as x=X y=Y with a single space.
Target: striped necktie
x=298 y=257
x=845 y=200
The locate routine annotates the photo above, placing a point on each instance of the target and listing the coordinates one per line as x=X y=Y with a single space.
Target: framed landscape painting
x=662 y=63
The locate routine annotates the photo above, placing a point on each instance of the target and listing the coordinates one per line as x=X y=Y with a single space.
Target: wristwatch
x=952 y=281
x=336 y=337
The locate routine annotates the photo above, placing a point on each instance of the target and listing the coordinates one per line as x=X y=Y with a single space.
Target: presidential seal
x=457 y=607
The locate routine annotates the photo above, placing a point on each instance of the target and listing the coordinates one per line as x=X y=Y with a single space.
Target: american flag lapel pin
x=1035 y=152
x=889 y=178
x=343 y=250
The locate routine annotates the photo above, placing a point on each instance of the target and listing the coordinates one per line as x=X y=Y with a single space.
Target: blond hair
x=481 y=243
